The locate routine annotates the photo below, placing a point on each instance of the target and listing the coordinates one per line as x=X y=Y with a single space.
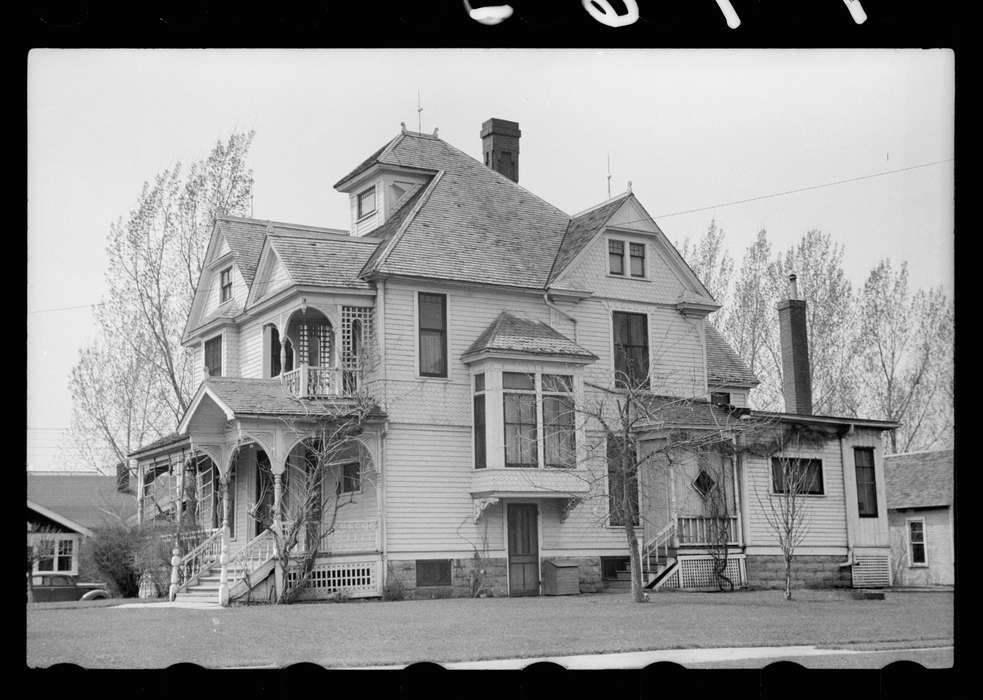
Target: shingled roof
x=268 y=397
x=245 y=239
x=477 y=225
x=508 y=333
x=919 y=479
x=581 y=230
x=89 y=499
x=322 y=259
x=724 y=367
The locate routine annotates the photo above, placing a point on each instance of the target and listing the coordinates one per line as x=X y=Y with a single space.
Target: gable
x=271 y=275
x=222 y=248
x=667 y=277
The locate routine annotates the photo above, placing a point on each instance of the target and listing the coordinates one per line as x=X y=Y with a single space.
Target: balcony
x=310 y=381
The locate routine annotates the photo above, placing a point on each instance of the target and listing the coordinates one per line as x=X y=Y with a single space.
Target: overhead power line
x=803 y=189
x=63 y=308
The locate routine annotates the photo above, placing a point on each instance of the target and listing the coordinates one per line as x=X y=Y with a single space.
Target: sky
x=691 y=130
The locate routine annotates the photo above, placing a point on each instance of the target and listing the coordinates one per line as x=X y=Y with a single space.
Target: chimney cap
x=793 y=286
x=503 y=127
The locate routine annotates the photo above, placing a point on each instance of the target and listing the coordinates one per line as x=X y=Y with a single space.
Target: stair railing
x=253 y=555
x=199 y=559
x=660 y=541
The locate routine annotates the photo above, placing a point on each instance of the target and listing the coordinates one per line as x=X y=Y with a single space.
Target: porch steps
x=206 y=588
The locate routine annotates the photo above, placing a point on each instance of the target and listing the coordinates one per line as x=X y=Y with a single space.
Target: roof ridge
x=609 y=200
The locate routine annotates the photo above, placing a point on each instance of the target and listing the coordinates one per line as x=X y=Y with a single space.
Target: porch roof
x=239 y=397
x=538 y=483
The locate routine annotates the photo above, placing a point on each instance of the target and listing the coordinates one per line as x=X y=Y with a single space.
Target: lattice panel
x=355 y=347
x=698 y=572
x=871 y=571
x=358 y=579
x=670 y=581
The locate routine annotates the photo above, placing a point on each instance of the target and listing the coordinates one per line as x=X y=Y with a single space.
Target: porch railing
x=188 y=539
x=310 y=380
x=199 y=559
x=704 y=530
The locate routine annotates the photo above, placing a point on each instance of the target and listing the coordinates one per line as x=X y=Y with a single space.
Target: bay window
x=521 y=429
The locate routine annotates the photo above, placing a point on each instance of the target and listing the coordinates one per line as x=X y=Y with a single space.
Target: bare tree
x=709 y=259
x=135 y=382
x=41 y=544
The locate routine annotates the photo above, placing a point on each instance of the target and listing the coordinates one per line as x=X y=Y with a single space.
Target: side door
x=523 y=531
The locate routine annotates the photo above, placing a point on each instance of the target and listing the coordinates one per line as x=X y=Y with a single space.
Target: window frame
x=612 y=243
x=646 y=385
x=204 y=351
x=911 y=544
x=225 y=285
x=562 y=396
x=359 y=213
x=873 y=480
x=798 y=460
x=445 y=335
x=535 y=395
x=55 y=540
x=479 y=396
x=632 y=257
x=344 y=478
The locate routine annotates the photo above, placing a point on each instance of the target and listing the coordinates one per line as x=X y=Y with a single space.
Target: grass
x=379 y=633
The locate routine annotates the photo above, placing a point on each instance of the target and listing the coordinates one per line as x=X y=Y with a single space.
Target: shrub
x=120 y=554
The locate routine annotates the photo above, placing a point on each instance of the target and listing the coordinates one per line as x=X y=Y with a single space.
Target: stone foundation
x=491 y=572
x=590 y=571
x=808 y=571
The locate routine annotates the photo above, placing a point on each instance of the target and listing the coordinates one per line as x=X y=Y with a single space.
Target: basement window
x=433 y=572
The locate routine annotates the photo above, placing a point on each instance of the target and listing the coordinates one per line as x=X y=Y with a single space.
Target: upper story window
x=366 y=202
x=636 y=253
x=225 y=285
x=631 y=350
x=616 y=257
x=797 y=476
x=863 y=460
x=480 y=453
x=432 y=315
x=521 y=426
x=213 y=356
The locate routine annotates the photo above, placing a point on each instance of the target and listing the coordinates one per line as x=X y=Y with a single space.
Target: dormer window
x=366 y=202
x=225 y=285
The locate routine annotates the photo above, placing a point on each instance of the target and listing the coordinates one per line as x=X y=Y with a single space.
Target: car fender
x=95 y=595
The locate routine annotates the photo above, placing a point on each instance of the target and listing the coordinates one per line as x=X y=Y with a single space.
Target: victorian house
x=477 y=319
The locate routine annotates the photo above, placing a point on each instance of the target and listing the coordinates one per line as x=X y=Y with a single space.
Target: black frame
x=424 y=331
x=866 y=479
x=616 y=251
x=625 y=326
x=214 y=369
x=225 y=285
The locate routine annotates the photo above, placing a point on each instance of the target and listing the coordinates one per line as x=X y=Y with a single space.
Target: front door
x=523 y=549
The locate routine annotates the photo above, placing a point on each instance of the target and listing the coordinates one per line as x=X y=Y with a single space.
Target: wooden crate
x=561 y=579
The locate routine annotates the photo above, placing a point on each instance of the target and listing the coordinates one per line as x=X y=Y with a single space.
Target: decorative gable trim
x=264 y=268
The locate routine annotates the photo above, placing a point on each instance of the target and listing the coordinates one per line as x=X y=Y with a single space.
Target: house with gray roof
x=921 y=517
x=465 y=324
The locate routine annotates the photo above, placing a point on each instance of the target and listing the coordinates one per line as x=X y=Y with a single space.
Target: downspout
x=382 y=503
x=557 y=309
x=380 y=339
x=846 y=510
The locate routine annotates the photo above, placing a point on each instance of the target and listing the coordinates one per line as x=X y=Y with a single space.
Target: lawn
x=365 y=633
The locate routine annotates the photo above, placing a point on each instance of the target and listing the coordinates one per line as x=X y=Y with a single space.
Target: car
x=57 y=587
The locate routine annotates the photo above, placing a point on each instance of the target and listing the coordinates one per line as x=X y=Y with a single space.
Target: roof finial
x=435 y=130
x=419 y=109
x=629 y=187
x=402 y=127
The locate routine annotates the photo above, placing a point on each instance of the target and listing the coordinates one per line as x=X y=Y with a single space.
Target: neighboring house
x=63 y=508
x=478 y=317
x=920 y=515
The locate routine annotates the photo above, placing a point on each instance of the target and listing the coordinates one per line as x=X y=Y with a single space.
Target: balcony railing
x=313 y=381
x=703 y=530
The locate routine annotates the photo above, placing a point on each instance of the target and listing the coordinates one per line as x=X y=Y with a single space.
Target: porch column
x=735 y=461
x=223 y=585
x=283 y=353
x=139 y=471
x=278 y=525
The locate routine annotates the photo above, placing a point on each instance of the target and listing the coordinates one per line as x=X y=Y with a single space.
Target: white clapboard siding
x=866 y=531
x=230 y=352
x=197 y=363
x=825 y=515
x=251 y=351
x=428 y=501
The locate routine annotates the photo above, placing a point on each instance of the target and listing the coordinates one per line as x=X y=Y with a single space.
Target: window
x=622 y=471
x=66 y=550
x=521 y=429
x=636 y=253
x=433 y=334
x=616 y=257
x=480 y=457
x=798 y=476
x=631 y=350
x=863 y=460
x=213 y=356
x=433 y=572
x=225 y=285
x=558 y=420
x=46 y=555
x=720 y=398
x=704 y=484
x=350 y=478
x=54 y=554
x=273 y=345
x=916 y=543
x=366 y=202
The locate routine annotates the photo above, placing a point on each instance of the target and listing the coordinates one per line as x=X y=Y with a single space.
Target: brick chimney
x=796 y=377
x=500 y=145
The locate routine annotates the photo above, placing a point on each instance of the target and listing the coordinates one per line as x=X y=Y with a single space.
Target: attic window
x=225 y=284
x=637 y=255
x=703 y=484
x=366 y=202
x=616 y=257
